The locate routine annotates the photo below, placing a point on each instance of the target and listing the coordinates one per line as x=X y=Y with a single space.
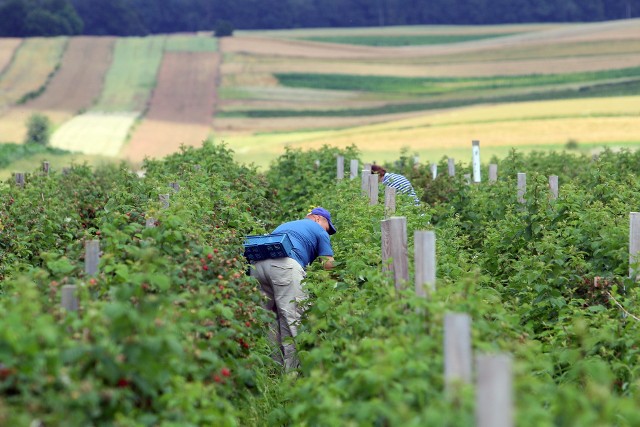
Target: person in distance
x=281 y=278
x=395 y=180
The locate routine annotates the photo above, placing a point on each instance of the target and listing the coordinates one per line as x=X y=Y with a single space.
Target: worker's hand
x=327 y=262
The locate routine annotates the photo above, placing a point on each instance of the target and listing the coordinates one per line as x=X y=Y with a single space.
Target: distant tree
x=113 y=17
x=22 y=18
x=12 y=16
x=223 y=29
x=38 y=130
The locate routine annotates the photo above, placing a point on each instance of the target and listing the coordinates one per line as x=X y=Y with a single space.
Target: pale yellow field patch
x=13 y=124
x=589 y=122
x=95 y=133
x=8 y=47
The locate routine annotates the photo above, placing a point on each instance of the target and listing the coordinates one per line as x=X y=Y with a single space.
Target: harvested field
x=95 y=133
x=181 y=108
x=78 y=83
x=157 y=139
x=8 y=47
x=36 y=59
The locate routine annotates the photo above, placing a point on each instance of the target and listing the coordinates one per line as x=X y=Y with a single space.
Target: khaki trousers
x=281 y=281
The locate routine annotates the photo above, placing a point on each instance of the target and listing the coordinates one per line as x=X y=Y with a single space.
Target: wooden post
x=434 y=171
x=353 y=173
x=150 y=222
x=389 y=201
x=45 y=167
x=493 y=172
x=340 y=172
x=20 y=179
x=69 y=299
x=553 y=186
x=175 y=186
x=91 y=256
x=634 y=245
x=365 y=182
x=457 y=349
x=164 y=200
x=494 y=395
x=394 y=247
x=475 y=150
x=451 y=166
x=425 y=262
x=522 y=186
x=373 y=189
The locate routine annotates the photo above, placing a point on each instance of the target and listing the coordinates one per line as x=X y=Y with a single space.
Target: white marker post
x=475 y=149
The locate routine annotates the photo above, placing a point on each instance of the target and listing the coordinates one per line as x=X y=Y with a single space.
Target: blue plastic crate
x=267 y=246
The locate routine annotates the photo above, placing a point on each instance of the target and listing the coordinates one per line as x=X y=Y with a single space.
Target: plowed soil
x=182 y=106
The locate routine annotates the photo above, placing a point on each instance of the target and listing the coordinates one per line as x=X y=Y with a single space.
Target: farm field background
x=430 y=90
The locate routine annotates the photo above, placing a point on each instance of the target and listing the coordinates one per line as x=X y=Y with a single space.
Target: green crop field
x=132 y=75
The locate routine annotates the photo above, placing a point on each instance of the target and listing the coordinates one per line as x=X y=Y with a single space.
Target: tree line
x=23 y=18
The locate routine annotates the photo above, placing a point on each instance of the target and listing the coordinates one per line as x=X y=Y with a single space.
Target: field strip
x=8 y=47
x=73 y=88
x=132 y=74
x=157 y=139
x=251 y=44
x=400 y=30
x=78 y=83
x=587 y=121
x=95 y=133
x=241 y=73
x=184 y=98
x=35 y=60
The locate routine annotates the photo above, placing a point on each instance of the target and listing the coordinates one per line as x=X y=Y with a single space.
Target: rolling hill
x=430 y=90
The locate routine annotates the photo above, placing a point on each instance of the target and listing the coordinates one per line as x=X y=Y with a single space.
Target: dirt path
x=181 y=108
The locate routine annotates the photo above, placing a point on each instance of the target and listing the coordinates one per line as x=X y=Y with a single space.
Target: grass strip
x=10 y=153
x=403 y=40
x=132 y=75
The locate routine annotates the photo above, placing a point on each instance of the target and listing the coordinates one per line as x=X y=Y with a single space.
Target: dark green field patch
x=403 y=40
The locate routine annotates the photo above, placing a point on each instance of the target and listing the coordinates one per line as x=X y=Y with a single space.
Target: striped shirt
x=401 y=184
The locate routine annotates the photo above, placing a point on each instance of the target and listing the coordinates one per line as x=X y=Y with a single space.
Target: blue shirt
x=308 y=238
x=400 y=183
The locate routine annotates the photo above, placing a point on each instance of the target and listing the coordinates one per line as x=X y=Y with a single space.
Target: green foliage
x=296 y=176
x=38 y=130
x=10 y=153
x=223 y=28
x=171 y=331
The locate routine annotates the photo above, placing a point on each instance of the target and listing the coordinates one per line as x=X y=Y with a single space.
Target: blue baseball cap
x=324 y=213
